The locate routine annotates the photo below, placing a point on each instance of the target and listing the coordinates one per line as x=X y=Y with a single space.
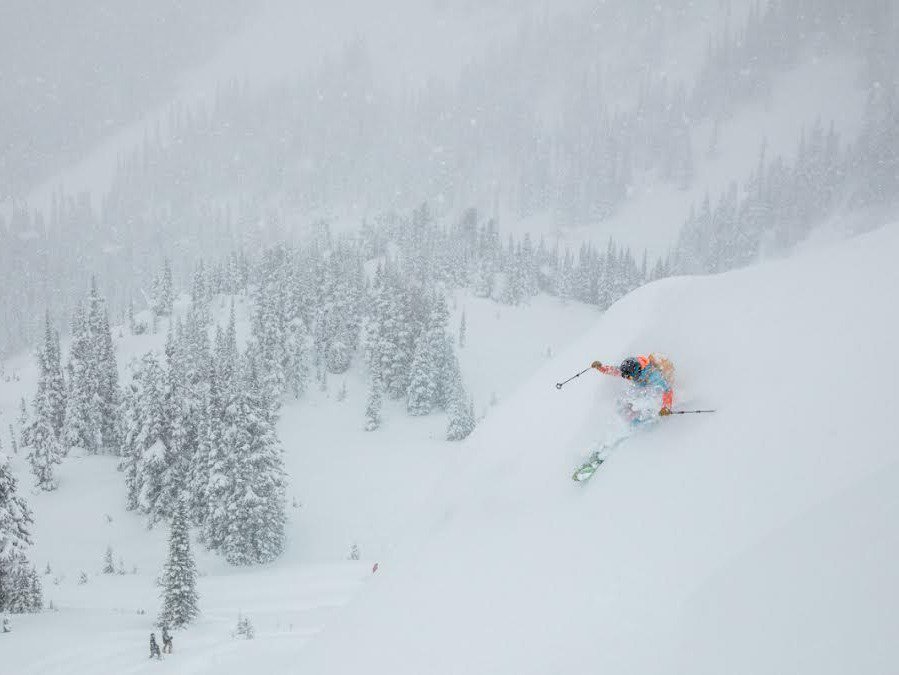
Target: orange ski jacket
x=654 y=372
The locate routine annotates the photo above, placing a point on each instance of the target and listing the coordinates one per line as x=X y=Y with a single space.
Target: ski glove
x=664 y=412
x=596 y=364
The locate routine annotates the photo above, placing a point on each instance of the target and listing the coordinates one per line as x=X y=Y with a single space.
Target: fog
x=137 y=131
x=285 y=286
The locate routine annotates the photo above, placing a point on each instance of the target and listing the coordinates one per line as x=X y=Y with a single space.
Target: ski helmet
x=630 y=368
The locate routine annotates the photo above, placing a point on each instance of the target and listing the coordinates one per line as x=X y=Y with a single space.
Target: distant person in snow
x=166 y=640
x=154 y=647
x=651 y=372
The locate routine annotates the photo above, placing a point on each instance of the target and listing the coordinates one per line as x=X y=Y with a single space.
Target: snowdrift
x=760 y=539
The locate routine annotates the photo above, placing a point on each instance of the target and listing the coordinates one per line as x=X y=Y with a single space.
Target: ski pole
x=690 y=412
x=559 y=385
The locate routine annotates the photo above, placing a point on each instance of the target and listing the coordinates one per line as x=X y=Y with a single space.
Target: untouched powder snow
x=760 y=539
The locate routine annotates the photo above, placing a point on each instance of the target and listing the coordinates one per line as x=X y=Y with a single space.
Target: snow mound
x=759 y=539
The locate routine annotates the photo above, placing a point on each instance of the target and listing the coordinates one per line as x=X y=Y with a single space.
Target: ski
x=584 y=472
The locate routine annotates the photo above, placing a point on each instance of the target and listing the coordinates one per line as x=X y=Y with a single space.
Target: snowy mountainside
x=525 y=101
x=347 y=486
x=759 y=539
x=282 y=40
x=814 y=91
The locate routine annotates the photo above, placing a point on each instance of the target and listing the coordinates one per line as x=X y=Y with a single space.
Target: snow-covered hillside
x=340 y=253
x=650 y=218
x=282 y=40
x=347 y=486
x=760 y=539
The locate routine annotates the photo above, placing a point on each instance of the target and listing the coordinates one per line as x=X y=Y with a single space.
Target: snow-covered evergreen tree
x=214 y=464
x=82 y=421
x=164 y=291
x=24 y=593
x=200 y=292
x=15 y=538
x=297 y=357
x=375 y=323
x=92 y=411
x=23 y=415
x=187 y=381
x=336 y=322
x=396 y=333
x=41 y=436
x=204 y=459
x=422 y=385
x=215 y=475
x=179 y=576
x=132 y=322
x=254 y=530
x=51 y=377
x=148 y=453
x=463 y=328
x=461 y=410
x=427 y=380
x=270 y=309
x=109 y=394
x=244 y=629
x=373 y=408
x=44 y=448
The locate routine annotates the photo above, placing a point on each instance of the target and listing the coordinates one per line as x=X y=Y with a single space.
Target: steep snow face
x=759 y=539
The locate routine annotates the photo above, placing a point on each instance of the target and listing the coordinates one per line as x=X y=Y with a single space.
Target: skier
x=166 y=640
x=652 y=377
x=651 y=372
x=154 y=647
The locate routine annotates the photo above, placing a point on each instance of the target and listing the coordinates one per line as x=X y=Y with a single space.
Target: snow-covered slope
x=822 y=90
x=760 y=539
x=346 y=486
